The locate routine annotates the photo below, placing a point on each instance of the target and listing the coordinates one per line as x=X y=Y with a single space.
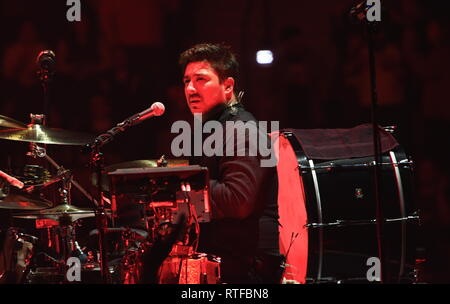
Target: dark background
x=123 y=56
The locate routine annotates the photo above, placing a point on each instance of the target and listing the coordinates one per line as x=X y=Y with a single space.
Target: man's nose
x=190 y=87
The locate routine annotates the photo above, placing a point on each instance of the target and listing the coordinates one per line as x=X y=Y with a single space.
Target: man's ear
x=229 y=86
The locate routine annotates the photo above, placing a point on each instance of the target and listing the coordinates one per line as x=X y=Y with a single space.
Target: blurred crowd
x=121 y=58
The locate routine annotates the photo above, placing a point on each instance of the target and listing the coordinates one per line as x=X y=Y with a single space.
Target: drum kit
x=147 y=215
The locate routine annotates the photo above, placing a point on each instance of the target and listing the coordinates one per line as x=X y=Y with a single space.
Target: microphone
x=12 y=180
x=46 y=60
x=156 y=109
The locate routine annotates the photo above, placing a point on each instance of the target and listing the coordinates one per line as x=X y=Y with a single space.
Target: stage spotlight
x=264 y=57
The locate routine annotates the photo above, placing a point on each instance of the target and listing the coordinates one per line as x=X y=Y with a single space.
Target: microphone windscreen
x=158 y=108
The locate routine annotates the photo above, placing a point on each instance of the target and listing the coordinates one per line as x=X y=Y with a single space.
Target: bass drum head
x=292 y=212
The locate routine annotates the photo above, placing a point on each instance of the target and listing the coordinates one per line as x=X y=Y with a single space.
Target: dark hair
x=218 y=55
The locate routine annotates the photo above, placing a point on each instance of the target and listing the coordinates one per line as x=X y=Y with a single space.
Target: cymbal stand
x=67 y=226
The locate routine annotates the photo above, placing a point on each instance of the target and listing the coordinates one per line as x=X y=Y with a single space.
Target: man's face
x=203 y=89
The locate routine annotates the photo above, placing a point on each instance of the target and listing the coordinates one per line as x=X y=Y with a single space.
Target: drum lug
x=330 y=167
x=359 y=193
x=390 y=129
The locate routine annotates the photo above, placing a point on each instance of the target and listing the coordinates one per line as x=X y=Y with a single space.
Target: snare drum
x=327 y=214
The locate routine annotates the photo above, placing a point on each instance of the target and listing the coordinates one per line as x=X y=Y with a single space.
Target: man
x=243 y=194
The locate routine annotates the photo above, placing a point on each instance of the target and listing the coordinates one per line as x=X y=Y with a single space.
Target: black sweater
x=243 y=197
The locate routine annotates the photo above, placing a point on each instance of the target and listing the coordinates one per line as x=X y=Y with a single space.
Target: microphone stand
x=360 y=12
x=384 y=275
x=97 y=163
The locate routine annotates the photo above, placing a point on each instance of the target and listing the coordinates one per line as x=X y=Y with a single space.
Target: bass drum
x=328 y=215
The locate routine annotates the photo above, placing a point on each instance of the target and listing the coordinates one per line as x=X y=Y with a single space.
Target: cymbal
x=55 y=213
x=22 y=202
x=11 y=123
x=41 y=134
x=146 y=163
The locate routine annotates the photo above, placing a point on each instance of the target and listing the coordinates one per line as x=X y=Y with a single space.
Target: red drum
x=328 y=219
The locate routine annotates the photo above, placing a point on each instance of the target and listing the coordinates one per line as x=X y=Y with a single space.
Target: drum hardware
x=125 y=249
x=398 y=180
x=166 y=195
x=37 y=133
x=36 y=151
x=164 y=192
x=162 y=162
x=345 y=223
x=61 y=228
x=332 y=166
x=390 y=129
x=61 y=174
x=35 y=175
x=131 y=263
x=12 y=198
x=49 y=263
x=319 y=218
x=359 y=194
